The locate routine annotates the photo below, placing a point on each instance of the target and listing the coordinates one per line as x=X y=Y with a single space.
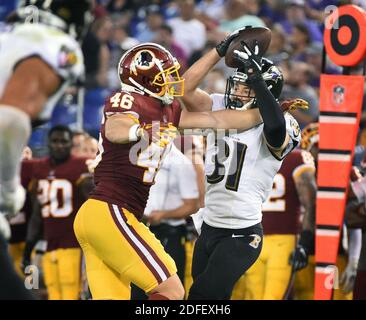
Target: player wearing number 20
x=118 y=248
x=62 y=182
x=240 y=170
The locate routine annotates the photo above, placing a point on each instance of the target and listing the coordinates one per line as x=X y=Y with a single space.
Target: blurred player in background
x=294 y=186
x=356 y=218
x=18 y=224
x=359 y=291
x=62 y=184
x=193 y=148
x=78 y=140
x=39 y=59
x=90 y=148
x=50 y=63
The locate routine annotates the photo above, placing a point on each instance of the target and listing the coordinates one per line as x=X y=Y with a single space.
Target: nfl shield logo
x=338 y=94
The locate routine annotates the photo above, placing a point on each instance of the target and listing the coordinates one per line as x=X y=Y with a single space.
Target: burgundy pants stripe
x=134 y=245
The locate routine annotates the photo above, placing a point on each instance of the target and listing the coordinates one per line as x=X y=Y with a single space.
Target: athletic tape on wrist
x=133 y=133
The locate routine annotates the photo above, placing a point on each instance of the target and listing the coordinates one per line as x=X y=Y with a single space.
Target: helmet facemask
x=172 y=85
x=238 y=95
x=246 y=100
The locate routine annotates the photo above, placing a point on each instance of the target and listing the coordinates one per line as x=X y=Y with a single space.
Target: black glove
x=222 y=47
x=251 y=61
x=305 y=247
x=299 y=258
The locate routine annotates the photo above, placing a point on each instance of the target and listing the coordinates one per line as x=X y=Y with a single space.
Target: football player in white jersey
x=240 y=169
x=39 y=59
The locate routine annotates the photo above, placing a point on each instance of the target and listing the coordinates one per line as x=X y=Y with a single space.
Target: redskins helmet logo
x=143 y=60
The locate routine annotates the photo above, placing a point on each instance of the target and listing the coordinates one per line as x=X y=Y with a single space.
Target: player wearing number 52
x=118 y=248
x=240 y=168
x=60 y=184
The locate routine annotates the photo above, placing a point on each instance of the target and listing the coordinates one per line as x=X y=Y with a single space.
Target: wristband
x=133 y=133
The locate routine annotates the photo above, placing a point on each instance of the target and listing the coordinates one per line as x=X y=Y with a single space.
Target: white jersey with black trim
x=238 y=185
x=58 y=49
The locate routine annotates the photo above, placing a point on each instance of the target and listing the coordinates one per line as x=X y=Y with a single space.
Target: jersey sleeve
x=58 y=49
x=124 y=103
x=294 y=132
x=305 y=162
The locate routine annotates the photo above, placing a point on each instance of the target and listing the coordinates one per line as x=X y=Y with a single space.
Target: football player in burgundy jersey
x=62 y=183
x=137 y=129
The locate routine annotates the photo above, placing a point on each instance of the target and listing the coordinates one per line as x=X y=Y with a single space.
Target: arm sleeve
x=272 y=115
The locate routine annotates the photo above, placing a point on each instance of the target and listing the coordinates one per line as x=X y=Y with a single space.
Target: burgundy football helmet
x=150 y=69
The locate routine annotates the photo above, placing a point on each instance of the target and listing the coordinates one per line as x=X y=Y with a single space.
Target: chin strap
x=238 y=105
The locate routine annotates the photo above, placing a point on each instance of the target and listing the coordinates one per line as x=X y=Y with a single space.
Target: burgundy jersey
x=281 y=212
x=125 y=172
x=58 y=195
x=18 y=224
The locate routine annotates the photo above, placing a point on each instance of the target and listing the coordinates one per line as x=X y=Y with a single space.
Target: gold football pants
x=119 y=250
x=62 y=268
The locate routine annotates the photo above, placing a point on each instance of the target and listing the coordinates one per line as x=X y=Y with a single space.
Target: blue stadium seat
x=93 y=109
x=38 y=140
x=64 y=114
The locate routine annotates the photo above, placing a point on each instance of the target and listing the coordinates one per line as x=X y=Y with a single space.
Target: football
x=261 y=34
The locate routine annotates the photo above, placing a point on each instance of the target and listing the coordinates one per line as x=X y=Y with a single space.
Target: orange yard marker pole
x=340 y=108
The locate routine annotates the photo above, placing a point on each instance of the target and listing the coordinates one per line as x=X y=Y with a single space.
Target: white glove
x=197 y=221
x=4 y=227
x=12 y=201
x=348 y=276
